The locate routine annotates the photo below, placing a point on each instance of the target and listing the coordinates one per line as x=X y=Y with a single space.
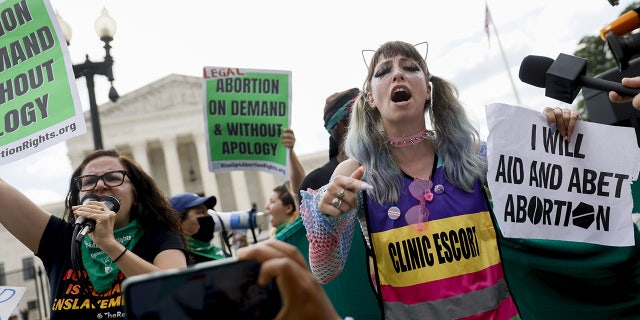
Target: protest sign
x=545 y=187
x=9 y=299
x=39 y=103
x=245 y=112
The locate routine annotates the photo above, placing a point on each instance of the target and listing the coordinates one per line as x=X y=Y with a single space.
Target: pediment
x=173 y=91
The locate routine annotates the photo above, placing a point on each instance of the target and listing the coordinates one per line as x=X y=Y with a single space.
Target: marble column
x=267 y=183
x=209 y=180
x=139 y=150
x=172 y=163
x=240 y=190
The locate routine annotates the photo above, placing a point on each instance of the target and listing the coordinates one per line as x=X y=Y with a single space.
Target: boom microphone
x=112 y=203
x=564 y=77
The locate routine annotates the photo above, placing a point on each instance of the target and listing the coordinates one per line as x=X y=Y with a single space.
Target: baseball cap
x=186 y=200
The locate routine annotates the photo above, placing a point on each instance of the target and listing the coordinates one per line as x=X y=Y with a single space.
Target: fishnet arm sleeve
x=329 y=237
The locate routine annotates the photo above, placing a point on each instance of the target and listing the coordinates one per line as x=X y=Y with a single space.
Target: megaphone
x=240 y=220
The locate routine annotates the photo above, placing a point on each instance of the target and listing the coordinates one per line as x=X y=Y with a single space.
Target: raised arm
x=296 y=175
x=330 y=226
x=22 y=217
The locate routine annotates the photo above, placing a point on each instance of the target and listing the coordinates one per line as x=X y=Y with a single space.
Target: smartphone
x=219 y=289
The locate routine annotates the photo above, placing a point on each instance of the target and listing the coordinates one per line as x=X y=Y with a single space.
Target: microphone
x=624 y=24
x=564 y=77
x=112 y=203
x=85 y=200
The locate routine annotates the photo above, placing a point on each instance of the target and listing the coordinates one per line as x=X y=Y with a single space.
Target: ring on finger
x=341 y=194
x=336 y=203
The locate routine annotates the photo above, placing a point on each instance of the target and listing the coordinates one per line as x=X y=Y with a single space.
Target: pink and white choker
x=408 y=140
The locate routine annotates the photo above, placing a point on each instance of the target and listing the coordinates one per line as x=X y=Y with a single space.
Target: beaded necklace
x=408 y=140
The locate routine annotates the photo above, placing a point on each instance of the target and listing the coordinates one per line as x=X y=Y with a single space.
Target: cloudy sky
x=320 y=43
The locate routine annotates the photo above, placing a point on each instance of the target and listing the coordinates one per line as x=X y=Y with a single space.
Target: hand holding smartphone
x=220 y=289
x=302 y=296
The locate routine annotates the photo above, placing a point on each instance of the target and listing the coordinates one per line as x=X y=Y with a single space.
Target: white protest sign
x=544 y=187
x=9 y=298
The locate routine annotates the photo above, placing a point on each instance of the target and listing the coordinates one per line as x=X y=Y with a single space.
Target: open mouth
x=400 y=95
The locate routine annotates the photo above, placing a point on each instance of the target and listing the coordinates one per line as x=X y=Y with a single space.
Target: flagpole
x=504 y=57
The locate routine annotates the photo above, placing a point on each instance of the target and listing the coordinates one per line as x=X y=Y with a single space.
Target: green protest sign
x=245 y=112
x=39 y=103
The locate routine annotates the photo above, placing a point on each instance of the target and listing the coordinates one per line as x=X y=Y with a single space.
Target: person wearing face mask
x=198 y=226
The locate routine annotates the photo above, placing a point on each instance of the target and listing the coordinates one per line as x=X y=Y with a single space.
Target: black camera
x=623 y=48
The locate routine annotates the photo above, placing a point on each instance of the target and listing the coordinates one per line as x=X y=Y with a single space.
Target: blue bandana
x=340 y=113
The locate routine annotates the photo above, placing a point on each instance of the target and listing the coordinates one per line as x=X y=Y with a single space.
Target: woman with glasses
x=136 y=231
x=418 y=196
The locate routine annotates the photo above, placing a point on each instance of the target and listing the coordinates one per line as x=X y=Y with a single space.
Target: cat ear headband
x=367 y=54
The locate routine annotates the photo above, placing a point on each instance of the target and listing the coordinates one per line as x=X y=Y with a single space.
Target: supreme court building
x=160 y=126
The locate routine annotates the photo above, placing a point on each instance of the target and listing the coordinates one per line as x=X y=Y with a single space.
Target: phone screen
x=222 y=289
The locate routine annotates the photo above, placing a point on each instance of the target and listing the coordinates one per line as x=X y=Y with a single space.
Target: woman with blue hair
x=417 y=194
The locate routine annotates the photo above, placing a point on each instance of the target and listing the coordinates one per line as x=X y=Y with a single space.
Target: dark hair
x=285 y=196
x=333 y=103
x=183 y=214
x=150 y=207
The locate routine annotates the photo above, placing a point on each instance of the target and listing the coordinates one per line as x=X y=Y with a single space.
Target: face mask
x=207 y=227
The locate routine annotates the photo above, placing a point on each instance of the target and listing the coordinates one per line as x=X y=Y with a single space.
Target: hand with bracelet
x=141 y=235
